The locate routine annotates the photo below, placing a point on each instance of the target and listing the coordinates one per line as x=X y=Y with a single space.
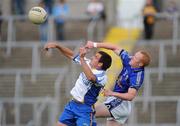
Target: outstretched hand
x=50 y=45
x=89 y=44
x=82 y=51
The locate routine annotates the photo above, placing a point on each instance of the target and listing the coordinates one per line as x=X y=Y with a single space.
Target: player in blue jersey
x=117 y=106
x=79 y=111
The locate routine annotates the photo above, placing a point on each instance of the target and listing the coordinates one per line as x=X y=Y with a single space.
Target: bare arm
x=130 y=95
x=89 y=74
x=64 y=50
x=109 y=46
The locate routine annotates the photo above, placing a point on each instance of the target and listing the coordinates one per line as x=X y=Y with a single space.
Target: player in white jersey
x=79 y=111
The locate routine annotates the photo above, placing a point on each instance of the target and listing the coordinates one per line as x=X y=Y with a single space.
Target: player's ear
x=100 y=65
x=140 y=64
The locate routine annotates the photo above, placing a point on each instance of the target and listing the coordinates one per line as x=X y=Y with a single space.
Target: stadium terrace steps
x=161 y=32
x=23 y=31
x=53 y=59
x=7 y=87
x=26 y=31
x=72 y=32
x=26 y=114
x=173 y=60
x=163 y=115
x=25 y=110
x=43 y=86
x=168 y=87
x=21 y=57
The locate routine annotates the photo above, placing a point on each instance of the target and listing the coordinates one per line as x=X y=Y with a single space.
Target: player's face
x=95 y=60
x=136 y=60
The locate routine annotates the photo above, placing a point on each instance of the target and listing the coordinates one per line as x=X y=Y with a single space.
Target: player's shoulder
x=99 y=72
x=123 y=52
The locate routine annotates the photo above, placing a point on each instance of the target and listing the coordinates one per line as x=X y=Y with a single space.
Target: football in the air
x=37 y=15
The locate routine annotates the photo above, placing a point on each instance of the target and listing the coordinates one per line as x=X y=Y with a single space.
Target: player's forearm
x=89 y=74
x=66 y=51
x=124 y=96
x=107 y=46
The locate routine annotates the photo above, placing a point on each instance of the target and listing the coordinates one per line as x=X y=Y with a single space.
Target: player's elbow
x=130 y=97
x=131 y=94
x=91 y=78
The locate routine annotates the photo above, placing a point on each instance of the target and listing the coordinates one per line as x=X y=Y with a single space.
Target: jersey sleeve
x=76 y=59
x=124 y=57
x=101 y=78
x=136 y=80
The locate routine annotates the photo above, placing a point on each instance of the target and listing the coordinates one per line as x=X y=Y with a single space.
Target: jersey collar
x=138 y=69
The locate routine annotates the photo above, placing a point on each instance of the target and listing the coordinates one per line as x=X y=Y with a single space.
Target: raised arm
x=64 y=50
x=87 y=71
x=115 y=48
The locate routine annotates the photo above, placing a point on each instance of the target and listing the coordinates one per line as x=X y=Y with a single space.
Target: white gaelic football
x=37 y=15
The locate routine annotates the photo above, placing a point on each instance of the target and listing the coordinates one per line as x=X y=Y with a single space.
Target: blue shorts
x=77 y=114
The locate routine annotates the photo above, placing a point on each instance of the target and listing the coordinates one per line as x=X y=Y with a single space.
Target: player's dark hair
x=105 y=59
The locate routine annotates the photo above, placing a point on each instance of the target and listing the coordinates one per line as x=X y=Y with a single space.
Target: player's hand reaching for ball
x=50 y=45
x=89 y=44
x=82 y=52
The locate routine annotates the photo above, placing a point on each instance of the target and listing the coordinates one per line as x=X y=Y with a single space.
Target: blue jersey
x=129 y=77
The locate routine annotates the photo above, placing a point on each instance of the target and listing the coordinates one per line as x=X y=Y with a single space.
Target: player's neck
x=135 y=66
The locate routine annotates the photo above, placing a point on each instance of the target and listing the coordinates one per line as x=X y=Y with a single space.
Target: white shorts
x=119 y=109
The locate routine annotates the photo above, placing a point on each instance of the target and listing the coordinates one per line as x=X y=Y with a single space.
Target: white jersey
x=87 y=91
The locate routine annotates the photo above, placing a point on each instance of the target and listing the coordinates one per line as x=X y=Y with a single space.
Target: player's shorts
x=77 y=114
x=119 y=109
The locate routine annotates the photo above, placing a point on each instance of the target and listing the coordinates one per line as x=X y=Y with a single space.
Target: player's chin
x=130 y=63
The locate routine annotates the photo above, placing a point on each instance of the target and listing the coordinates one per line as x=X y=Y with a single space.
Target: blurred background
x=34 y=87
